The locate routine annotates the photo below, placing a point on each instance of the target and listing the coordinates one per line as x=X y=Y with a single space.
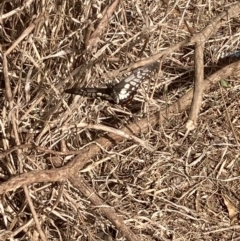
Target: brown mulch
x=165 y=167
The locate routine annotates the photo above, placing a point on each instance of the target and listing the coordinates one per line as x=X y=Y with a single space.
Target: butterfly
x=121 y=93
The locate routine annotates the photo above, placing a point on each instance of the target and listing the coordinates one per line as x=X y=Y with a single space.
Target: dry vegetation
x=67 y=174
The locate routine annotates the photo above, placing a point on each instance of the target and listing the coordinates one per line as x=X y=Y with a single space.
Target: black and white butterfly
x=121 y=93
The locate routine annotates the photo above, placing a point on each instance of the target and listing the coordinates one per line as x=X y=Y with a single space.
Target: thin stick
x=38 y=226
x=198 y=86
x=25 y=33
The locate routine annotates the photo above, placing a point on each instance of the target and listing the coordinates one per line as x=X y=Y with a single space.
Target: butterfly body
x=121 y=93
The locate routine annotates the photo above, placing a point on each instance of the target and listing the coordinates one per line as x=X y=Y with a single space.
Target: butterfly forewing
x=124 y=91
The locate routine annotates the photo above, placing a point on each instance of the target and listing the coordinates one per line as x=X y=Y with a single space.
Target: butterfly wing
x=124 y=91
x=121 y=93
x=102 y=93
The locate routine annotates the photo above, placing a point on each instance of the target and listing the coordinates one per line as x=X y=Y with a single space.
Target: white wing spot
x=123 y=92
x=127 y=86
x=133 y=83
x=122 y=96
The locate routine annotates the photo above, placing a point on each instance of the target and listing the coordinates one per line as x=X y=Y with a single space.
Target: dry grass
x=66 y=175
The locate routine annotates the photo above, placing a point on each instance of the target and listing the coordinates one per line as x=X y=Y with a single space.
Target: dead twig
x=108 y=11
x=25 y=33
x=107 y=210
x=111 y=130
x=39 y=148
x=198 y=83
x=16 y=10
x=79 y=125
x=228 y=116
x=31 y=206
x=207 y=32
